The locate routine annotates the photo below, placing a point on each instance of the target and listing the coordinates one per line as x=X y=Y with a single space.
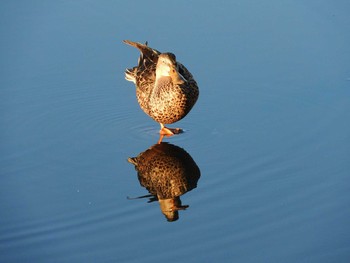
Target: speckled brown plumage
x=165 y=100
x=166 y=170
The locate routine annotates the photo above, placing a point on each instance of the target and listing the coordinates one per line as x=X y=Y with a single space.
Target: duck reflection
x=167 y=172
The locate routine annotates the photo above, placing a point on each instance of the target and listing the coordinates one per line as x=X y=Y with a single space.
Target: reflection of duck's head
x=167 y=171
x=170 y=208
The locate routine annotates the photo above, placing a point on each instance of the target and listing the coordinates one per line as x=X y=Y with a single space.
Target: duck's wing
x=186 y=74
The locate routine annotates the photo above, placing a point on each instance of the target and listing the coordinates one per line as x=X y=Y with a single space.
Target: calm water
x=265 y=156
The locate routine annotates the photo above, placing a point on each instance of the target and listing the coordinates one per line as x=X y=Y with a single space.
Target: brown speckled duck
x=165 y=89
x=167 y=172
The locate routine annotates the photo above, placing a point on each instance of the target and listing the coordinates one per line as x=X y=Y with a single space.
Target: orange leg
x=168 y=131
x=160 y=139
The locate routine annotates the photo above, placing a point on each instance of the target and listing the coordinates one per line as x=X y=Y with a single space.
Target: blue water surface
x=270 y=132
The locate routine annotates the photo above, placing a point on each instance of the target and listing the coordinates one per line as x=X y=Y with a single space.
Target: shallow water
x=269 y=133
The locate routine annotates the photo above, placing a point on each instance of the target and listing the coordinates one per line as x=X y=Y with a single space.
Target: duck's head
x=167 y=67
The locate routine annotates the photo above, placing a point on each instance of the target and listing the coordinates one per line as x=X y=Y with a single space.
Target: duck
x=165 y=89
x=167 y=171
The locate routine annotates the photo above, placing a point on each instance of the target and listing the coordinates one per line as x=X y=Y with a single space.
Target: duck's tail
x=147 y=53
x=130 y=74
x=147 y=57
